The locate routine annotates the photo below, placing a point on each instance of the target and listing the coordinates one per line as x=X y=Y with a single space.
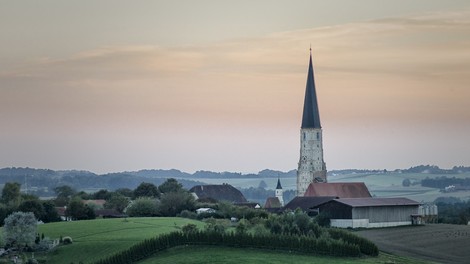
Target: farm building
x=308 y=204
x=338 y=189
x=369 y=212
x=222 y=192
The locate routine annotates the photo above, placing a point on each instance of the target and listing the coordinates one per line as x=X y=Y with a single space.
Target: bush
x=67 y=240
x=188 y=214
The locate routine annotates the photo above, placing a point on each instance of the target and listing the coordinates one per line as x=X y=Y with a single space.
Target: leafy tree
x=117 y=201
x=146 y=189
x=125 y=192
x=102 y=194
x=262 y=185
x=20 y=229
x=189 y=228
x=11 y=193
x=64 y=191
x=33 y=206
x=80 y=211
x=50 y=213
x=406 y=183
x=173 y=203
x=143 y=206
x=170 y=185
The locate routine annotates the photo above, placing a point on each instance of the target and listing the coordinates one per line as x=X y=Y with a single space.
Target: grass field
x=208 y=254
x=94 y=239
x=434 y=242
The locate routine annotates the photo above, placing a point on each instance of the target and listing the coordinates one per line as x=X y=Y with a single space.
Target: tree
x=125 y=192
x=50 y=213
x=80 y=211
x=143 y=206
x=33 y=206
x=406 y=182
x=118 y=202
x=170 y=185
x=146 y=189
x=173 y=203
x=11 y=193
x=102 y=194
x=262 y=185
x=20 y=229
x=64 y=191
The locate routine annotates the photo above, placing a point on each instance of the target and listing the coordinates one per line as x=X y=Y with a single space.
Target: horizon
x=220 y=86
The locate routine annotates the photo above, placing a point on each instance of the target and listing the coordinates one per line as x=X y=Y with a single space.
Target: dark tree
x=125 y=192
x=11 y=193
x=146 y=189
x=33 y=206
x=117 y=201
x=50 y=213
x=102 y=195
x=173 y=203
x=170 y=185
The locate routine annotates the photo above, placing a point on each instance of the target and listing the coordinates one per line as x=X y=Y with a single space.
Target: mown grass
x=95 y=239
x=208 y=254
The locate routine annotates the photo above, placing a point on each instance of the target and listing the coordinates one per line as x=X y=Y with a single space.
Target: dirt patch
x=440 y=243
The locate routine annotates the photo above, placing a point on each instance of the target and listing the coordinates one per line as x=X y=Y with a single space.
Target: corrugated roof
x=311 y=115
x=338 y=189
x=368 y=202
x=306 y=203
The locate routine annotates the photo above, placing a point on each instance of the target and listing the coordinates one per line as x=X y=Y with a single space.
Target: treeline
x=433 y=169
x=453 y=210
x=41 y=182
x=442 y=182
x=339 y=246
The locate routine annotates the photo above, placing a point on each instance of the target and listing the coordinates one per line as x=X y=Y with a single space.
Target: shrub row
x=366 y=246
x=304 y=244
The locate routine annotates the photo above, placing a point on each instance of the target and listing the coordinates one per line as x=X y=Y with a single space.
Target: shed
x=308 y=204
x=370 y=212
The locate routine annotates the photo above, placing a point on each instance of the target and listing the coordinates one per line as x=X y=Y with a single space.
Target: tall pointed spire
x=311 y=115
x=278 y=183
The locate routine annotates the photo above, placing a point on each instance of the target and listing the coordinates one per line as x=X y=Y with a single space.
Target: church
x=349 y=204
x=311 y=173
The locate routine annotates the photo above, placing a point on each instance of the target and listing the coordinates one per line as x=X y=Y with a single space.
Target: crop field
x=206 y=254
x=440 y=243
x=94 y=239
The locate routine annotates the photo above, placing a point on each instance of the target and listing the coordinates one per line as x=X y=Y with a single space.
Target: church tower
x=279 y=192
x=311 y=167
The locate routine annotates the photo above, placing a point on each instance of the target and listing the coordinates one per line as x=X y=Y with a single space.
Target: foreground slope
x=95 y=239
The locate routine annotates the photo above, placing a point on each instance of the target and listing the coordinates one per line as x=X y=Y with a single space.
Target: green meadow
x=94 y=239
x=206 y=254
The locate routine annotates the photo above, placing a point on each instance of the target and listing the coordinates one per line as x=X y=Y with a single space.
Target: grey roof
x=311 y=115
x=305 y=203
x=368 y=202
x=278 y=184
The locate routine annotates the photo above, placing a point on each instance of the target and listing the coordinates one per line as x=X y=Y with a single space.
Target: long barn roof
x=369 y=202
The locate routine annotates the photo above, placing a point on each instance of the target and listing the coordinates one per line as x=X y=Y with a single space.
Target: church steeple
x=278 y=184
x=311 y=115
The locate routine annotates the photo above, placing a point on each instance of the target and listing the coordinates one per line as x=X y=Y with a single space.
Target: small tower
x=311 y=168
x=279 y=192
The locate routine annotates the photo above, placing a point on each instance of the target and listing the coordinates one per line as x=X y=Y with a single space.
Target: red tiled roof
x=338 y=189
x=272 y=202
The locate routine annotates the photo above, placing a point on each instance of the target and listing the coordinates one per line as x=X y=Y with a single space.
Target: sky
x=111 y=86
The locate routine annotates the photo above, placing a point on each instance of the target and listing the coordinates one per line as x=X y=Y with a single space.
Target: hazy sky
x=216 y=85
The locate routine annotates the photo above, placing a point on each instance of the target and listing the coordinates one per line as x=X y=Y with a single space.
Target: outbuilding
x=369 y=212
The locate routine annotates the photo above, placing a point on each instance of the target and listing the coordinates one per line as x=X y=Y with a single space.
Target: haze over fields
x=206 y=85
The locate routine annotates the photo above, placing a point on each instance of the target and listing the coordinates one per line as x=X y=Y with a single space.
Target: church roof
x=338 y=189
x=278 y=184
x=311 y=115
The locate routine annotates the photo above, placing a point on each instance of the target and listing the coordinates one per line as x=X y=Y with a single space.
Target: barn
x=369 y=212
